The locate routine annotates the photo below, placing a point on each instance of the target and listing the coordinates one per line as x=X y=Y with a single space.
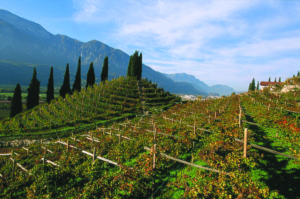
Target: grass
x=279 y=173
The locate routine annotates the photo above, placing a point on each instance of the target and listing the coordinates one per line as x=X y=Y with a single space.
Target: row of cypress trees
x=134 y=70
x=34 y=86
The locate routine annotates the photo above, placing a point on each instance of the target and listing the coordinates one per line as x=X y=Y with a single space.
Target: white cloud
x=218 y=41
x=86 y=10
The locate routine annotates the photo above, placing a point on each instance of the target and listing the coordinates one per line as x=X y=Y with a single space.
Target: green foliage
x=104 y=73
x=33 y=91
x=50 y=87
x=65 y=88
x=135 y=66
x=90 y=80
x=16 y=104
x=257 y=86
x=252 y=85
x=77 y=82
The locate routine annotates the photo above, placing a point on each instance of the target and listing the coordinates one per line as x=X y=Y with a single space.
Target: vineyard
x=200 y=149
x=115 y=100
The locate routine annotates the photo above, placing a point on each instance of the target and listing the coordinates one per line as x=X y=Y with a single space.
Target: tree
x=257 y=86
x=77 y=82
x=139 y=67
x=104 y=73
x=65 y=88
x=279 y=79
x=129 y=69
x=298 y=74
x=90 y=81
x=135 y=66
x=275 y=80
x=50 y=87
x=252 y=85
x=33 y=91
x=269 y=79
x=16 y=103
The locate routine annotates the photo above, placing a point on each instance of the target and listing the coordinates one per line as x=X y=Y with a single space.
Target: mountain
x=25 y=44
x=201 y=86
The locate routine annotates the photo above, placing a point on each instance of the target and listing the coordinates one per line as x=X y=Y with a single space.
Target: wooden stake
x=13 y=169
x=94 y=151
x=240 y=118
x=154 y=150
x=245 y=142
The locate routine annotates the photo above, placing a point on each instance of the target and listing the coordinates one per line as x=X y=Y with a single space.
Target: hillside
x=114 y=100
x=192 y=150
x=25 y=43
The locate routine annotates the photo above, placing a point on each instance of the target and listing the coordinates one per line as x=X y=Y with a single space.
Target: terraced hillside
x=195 y=152
x=115 y=100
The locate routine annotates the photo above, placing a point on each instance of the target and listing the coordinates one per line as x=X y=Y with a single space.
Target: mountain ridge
x=28 y=43
x=218 y=89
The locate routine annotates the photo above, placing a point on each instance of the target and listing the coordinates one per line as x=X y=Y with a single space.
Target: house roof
x=270 y=83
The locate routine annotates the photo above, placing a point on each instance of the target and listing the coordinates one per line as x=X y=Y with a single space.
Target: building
x=272 y=84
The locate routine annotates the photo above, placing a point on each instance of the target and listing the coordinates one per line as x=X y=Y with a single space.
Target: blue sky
x=218 y=41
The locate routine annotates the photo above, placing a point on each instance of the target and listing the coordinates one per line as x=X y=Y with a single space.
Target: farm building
x=272 y=84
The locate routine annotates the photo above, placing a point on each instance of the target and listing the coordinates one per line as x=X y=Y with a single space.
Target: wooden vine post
x=154 y=147
x=245 y=142
x=94 y=151
x=194 y=134
x=13 y=168
x=240 y=118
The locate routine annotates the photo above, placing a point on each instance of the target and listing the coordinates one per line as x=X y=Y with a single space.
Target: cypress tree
x=65 y=88
x=253 y=85
x=269 y=79
x=279 y=79
x=135 y=66
x=33 y=92
x=104 y=73
x=90 y=81
x=298 y=74
x=257 y=87
x=16 y=103
x=50 y=87
x=275 y=80
x=139 y=67
x=77 y=82
x=129 y=69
